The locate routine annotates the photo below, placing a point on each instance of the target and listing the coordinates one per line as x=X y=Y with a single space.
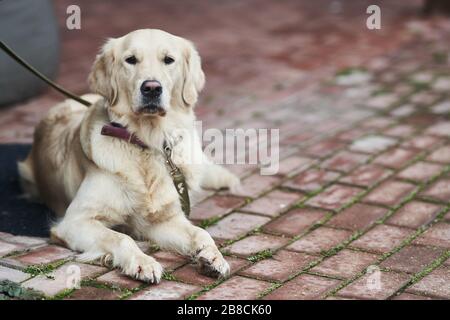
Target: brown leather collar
x=116 y=130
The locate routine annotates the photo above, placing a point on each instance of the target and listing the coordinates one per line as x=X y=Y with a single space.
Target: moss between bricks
x=261 y=255
x=406 y=242
x=123 y=292
x=356 y=235
x=11 y=290
x=43 y=269
x=209 y=222
x=428 y=269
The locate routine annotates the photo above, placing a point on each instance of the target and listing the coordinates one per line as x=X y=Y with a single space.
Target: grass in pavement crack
x=261 y=255
x=43 y=269
x=11 y=290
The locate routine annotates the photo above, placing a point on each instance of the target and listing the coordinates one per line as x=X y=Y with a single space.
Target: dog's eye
x=131 y=60
x=168 y=60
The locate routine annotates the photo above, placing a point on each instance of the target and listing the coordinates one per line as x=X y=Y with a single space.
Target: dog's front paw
x=144 y=268
x=234 y=184
x=212 y=263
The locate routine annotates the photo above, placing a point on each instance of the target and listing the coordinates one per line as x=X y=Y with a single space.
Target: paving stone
x=441 y=108
x=215 y=206
x=256 y=184
x=295 y=222
x=273 y=203
x=320 y=240
x=447 y=217
x=382 y=238
x=311 y=180
x=65 y=277
x=381 y=102
x=439 y=190
x=345 y=161
x=368 y=287
x=345 y=264
x=408 y=296
x=400 y=131
x=352 y=134
x=423 y=98
x=236 y=225
x=396 y=158
x=403 y=111
x=412 y=259
x=421 y=142
x=324 y=148
x=118 y=279
x=303 y=287
x=166 y=290
x=280 y=267
x=447 y=262
x=357 y=217
x=334 y=197
x=436 y=284
x=438 y=235
x=8 y=248
x=378 y=122
x=293 y=165
x=190 y=274
x=44 y=255
x=442 y=84
x=168 y=260
x=372 y=144
x=414 y=214
x=440 y=155
x=256 y=243
x=92 y=293
x=367 y=176
x=297 y=138
x=440 y=129
x=4 y=235
x=390 y=193
x=26 y=241
x=421 y=171
x=13 y=275
x=237 y=288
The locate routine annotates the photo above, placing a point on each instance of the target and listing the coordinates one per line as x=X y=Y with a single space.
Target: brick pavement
x=360 y=206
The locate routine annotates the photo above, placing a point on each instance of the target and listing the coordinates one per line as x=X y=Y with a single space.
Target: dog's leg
x=217 y=177
x=95 y=240
x=178 y=234
x=85 y=227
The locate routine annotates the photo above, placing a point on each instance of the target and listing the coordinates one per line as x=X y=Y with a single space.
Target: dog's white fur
x=97 y=182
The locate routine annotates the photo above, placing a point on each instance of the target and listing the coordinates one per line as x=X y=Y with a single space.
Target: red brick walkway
x=360 y=207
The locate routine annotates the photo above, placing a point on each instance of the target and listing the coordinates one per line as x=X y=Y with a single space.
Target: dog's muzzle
x=151 y=91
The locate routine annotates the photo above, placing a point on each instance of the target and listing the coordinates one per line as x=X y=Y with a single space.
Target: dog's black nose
x=151 y=89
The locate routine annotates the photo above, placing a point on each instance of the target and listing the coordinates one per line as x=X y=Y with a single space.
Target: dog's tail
x=27 y=178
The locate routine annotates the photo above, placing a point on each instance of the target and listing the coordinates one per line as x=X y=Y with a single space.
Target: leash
x=115 y=130
x=38 y=74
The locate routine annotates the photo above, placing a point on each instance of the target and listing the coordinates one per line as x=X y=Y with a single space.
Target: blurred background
x=309 y=68
x=251 y=49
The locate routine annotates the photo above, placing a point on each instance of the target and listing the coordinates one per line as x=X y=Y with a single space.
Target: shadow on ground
x=18 y=215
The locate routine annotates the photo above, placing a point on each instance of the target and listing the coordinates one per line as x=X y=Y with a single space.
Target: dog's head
x=146 y=72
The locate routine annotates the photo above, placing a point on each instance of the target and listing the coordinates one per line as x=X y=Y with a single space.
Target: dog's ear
x=194 y=78
x=101 y=79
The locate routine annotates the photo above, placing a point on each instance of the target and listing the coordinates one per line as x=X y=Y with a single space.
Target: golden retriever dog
x=148 y=82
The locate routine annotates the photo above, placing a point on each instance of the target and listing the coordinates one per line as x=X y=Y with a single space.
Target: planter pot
x=30 y=28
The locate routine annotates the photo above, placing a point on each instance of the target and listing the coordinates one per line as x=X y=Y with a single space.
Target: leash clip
x=168 y=153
